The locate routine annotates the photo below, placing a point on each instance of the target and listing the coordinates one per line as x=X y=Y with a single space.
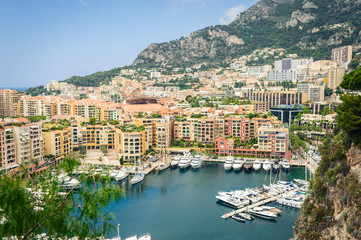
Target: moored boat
x=256 y=165
x=185 y=161
x=266 y=165
x=276 y=166
x=248 y=165
x=238 y=218
x=137 y=178
x=228 y=163
x=176 y=161
x=285 y=165
x=237 y=164
x=196 y=162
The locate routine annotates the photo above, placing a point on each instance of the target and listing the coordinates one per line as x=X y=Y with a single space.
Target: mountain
x=306 y=27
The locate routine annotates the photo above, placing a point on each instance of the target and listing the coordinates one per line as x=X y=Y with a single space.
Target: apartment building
x=8 y=100
x=342 y=55
x=19 y=144
x=58 y=141
x=245 y=128
x=335 y=77
x=98 y=137
x=259 y=107
x=163 y=135
x=130 y=142
x=273 y=142
x=276 y=98
x=185 y=129
x=315 y=93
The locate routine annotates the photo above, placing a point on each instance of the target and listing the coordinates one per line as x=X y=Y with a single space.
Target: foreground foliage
x=31 y=205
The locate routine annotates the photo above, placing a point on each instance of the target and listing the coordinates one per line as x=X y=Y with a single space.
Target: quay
x=247 y=208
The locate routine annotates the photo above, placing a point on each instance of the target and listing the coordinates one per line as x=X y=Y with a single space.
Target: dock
x=247 y=208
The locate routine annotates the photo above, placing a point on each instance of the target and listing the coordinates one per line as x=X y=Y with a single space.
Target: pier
x=247 y=208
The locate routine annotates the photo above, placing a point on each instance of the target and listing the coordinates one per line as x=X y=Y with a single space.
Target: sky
x=43 y=40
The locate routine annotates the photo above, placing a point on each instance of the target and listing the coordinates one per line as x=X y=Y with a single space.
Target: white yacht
x=232 y=201
x=285 y=165
x=185 y=161
x=145 y=237
x=122 y=174
x=197 y=162
x=276 y=166
x=267 y=165
x=237 y=164
x=259 y=212
x=257 y=165
x=163 y=166
x=246 y=216
x=238 y=218
x=295 y=202
x=175 y=161
x=228 y=163
x=68 y=182
x=137 y=178
x=132 y=238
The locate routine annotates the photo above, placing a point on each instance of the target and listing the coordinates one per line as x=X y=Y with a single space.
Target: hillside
x=306 y=27
x=332 y=209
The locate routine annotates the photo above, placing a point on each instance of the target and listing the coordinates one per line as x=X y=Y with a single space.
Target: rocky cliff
x=333 y=208
x=306 y=27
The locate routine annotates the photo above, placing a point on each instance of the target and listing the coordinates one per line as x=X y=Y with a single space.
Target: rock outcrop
x=300 y=25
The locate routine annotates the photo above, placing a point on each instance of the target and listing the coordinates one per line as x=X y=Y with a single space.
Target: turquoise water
x=176 y=204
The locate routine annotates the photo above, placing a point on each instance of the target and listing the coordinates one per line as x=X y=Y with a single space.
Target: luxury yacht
x=137 y=178
x=176 y=161
x=246 y=216
x=267 y=165
x=237 y=164
x=257 y=165
x=259 y=212
x=185 y=161
x=286 y=165
x=228 y=163
x=248 y=165
x=276 y=166
x=122 y=174
x=197 y=162
x=238 y=218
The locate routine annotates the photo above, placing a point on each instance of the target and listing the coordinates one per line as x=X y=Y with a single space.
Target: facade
x=58 y=143
x=342 y=55
x=282 y=75
x=130 y=145
x=273 y=142
x=8 y=100
x=98 y=137
x=276 y=98
x=21 y=144
x=316 y=93
x=335 y=77
x=286 y=113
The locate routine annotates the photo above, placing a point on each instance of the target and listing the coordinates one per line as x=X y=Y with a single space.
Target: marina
x=167 y=202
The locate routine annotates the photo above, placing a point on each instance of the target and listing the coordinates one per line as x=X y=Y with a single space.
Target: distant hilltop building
x=342 y=55
x=289 y=69
x=60 y=86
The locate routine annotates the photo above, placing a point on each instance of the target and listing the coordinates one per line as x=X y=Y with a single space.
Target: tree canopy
x=352 y=80
x=32 y=205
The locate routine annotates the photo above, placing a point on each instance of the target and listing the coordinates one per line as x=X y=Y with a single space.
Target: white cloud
x=231 y=14
x=83 y=2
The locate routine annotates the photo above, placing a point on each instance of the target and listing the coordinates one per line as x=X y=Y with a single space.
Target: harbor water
x=181 y=204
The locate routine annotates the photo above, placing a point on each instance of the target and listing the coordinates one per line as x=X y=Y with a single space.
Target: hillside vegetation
x=306 y=27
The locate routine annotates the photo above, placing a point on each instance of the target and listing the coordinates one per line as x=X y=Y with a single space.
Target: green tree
x=92 y=121
x=328 y=91
x=352 y=80
x=31 y=205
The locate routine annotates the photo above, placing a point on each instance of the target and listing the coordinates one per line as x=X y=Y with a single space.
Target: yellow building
x=98 y=137
x=57 y=141
x=130 y=142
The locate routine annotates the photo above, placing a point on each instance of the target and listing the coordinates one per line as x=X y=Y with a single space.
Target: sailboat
x=163 y=165
x=138 y=177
